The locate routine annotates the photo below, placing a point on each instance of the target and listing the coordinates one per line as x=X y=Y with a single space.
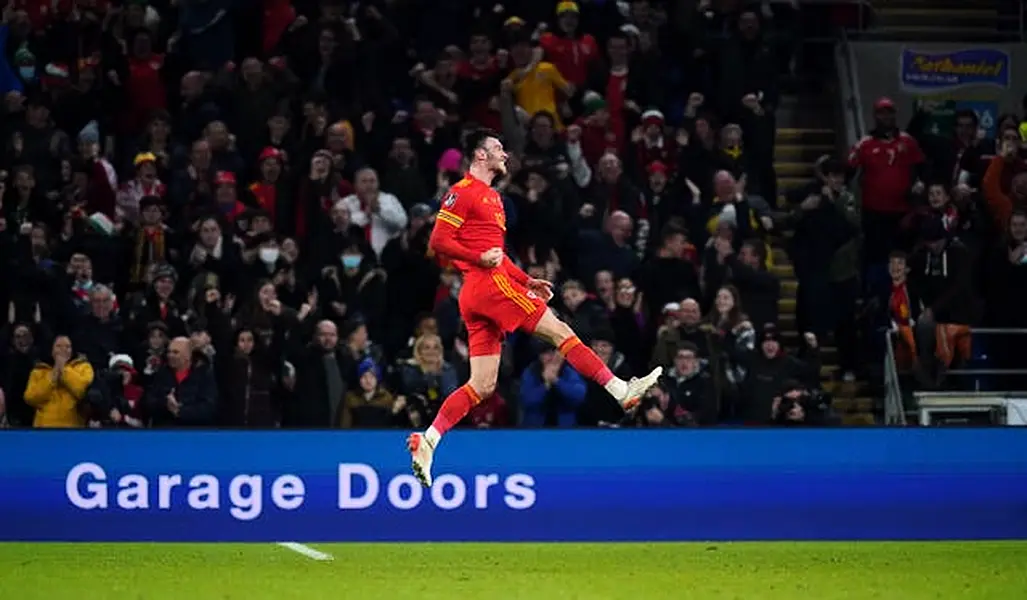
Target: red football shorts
x=492 y=305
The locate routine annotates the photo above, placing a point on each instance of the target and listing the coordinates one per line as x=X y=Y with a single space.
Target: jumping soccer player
x=497 y=297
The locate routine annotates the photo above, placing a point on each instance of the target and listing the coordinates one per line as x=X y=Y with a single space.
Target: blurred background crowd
x=216 y=213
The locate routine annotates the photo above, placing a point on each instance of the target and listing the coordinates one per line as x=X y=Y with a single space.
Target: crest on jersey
x=449 y=201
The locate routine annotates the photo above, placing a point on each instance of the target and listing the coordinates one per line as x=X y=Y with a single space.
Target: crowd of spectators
x=945 y=240
x=216 y=213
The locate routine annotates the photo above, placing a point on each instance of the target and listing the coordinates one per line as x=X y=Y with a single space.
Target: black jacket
x=766 y=379
x=310 y=405
x=197 y=396
x=696 y=395
x=945 y=284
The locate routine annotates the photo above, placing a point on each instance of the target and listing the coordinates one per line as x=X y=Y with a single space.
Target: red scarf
x=132 y=391
x=364 y=206
x=692 y=255
x=267 y=196
x=233 y=212
x=901 y=311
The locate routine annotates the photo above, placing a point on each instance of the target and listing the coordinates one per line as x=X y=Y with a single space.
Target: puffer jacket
x=57 y=404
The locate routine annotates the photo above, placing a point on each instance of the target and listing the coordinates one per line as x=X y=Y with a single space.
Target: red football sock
x=585 y=361
x=455 y=407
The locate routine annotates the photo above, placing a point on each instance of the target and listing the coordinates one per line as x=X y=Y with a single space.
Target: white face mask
x=269 y=256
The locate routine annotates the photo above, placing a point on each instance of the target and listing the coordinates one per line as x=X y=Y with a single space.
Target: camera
x=799 y=405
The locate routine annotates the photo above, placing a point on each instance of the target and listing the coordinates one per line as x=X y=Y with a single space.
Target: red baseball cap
x=224 y=178
x=656 y=166
x=270 y=152
x=884 y=103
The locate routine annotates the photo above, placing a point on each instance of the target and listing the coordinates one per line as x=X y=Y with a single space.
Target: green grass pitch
x=678 y=571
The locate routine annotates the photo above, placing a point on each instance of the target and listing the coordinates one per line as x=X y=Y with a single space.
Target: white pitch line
x=306 y=550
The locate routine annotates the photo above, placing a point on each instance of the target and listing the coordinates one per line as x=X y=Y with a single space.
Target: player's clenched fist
x=491 y=257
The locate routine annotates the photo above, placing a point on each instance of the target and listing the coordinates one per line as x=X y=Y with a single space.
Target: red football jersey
x=887 y=170
x=572 y=56
x=475 y=211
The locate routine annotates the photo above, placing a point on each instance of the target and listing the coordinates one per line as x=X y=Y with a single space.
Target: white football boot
x=421 y=454
x=638 y=386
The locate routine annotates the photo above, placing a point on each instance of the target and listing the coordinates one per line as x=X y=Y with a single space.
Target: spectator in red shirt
x=649 y=144
x=890 y=160
x=598 y=135
x=478 y=83
x=622 y=83
x=269 y=190
x=491 y=413
x=571 y=52
x=227 y=199
x=145 y=86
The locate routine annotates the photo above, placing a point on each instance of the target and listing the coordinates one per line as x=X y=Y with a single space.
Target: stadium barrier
x=977 y=393
x=602 y=485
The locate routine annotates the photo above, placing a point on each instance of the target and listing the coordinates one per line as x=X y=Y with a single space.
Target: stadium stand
x=215 y=214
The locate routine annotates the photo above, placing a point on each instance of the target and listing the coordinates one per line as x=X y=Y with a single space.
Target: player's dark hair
x=476 y=140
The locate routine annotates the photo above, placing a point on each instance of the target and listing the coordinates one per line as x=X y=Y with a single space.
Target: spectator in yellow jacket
x=55 y=390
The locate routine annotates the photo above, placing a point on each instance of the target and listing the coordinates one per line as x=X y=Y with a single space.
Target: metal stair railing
x=894 y=406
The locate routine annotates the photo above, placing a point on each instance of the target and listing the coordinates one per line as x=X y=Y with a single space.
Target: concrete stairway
x=805 y=132
x=942 y=21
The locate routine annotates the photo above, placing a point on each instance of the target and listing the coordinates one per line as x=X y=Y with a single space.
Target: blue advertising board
x=923 y=71
x=514 y=485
